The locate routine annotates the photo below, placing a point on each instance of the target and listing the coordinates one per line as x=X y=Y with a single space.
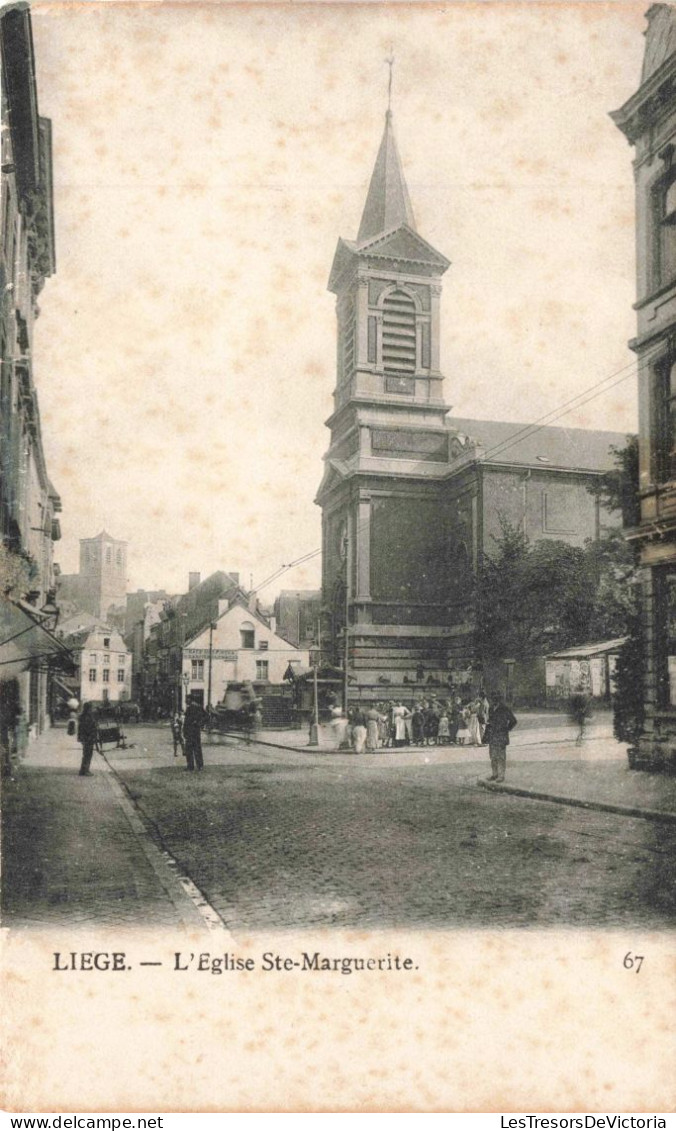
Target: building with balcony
x=29 y=503
x=648 y=121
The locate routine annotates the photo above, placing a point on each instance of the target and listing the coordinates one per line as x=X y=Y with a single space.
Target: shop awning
x=24 y=640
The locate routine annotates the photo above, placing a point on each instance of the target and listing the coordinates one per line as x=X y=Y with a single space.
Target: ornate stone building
x=385 y=519
x=410 y=497
x=648 y=121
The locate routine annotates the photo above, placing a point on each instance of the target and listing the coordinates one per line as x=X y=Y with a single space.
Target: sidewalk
x=609 y=786
x=594 y=775
x=74 y=851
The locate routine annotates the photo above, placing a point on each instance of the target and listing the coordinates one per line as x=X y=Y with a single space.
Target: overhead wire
x=565 y=409
x=522 y=434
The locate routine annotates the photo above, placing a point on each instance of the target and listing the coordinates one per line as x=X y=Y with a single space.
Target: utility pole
x=346 y=641
x=211 y=650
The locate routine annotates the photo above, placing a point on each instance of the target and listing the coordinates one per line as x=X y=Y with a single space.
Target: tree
x=533 y=599
x=617 y=489
x=629 y=696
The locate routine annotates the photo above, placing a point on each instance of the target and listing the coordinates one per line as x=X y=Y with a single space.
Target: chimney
x=193 y=581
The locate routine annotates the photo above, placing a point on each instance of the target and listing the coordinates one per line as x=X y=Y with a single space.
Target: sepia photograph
x=338 y=563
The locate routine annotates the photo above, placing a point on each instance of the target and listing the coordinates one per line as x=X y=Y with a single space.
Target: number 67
x=633 y=960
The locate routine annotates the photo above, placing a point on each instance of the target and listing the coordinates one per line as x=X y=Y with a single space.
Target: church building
x=410 y=497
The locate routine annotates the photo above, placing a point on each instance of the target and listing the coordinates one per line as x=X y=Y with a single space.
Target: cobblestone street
x=277 y=838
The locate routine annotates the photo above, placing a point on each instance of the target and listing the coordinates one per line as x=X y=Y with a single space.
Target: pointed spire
x=387 y=204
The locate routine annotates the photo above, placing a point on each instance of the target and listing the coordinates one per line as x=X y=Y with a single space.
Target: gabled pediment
x=345 y=254
x=403 y=244
x=334 y=474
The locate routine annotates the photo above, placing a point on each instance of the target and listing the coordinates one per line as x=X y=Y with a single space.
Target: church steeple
x=388 y=204
x=388 y=286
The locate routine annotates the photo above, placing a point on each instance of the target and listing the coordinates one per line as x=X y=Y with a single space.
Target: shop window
x=262 y=669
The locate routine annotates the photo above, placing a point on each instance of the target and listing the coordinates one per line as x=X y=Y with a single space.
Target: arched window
x=399 y=333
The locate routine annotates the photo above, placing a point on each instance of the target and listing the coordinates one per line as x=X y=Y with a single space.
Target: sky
x=207 y=157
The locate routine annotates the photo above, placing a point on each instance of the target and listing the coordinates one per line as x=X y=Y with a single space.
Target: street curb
x=192 y=908
x=579 y=803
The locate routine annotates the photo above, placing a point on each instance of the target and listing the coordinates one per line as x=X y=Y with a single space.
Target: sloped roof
x=574 y=448
x=585 y=650
x=387 y=203
x=660 y=38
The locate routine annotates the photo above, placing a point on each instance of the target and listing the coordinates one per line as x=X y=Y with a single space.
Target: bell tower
x=385 y=518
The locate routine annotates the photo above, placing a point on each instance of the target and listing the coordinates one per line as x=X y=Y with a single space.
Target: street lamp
x=186 y=684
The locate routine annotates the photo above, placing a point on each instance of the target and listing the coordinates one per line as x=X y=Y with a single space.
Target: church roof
x=387 y=204
x=660 y=38
x=580 y=449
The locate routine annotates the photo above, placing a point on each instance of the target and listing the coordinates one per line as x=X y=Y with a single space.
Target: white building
x=239 y=646
x=103 y=665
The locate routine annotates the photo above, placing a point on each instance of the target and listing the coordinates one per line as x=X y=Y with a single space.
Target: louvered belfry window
x=399 y=344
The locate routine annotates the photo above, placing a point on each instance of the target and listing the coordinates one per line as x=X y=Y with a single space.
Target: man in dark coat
x=501 y=721
x=88 y=735
x=193 y=721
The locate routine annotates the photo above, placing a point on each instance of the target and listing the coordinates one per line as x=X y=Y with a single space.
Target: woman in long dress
x=338 y=726
x=373 y=718
x=463 y=730
x=359 y=731
x=474 y=728
x=399 y=716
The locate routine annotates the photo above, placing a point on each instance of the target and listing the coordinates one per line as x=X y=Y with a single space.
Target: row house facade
x=212 y=635
x=103 y=666
x=29 y=503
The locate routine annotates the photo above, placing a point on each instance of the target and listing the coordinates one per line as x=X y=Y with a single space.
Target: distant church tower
x=103 y=573
x=386 y=520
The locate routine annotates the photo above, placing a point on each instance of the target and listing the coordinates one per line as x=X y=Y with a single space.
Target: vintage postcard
x=338 y=622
